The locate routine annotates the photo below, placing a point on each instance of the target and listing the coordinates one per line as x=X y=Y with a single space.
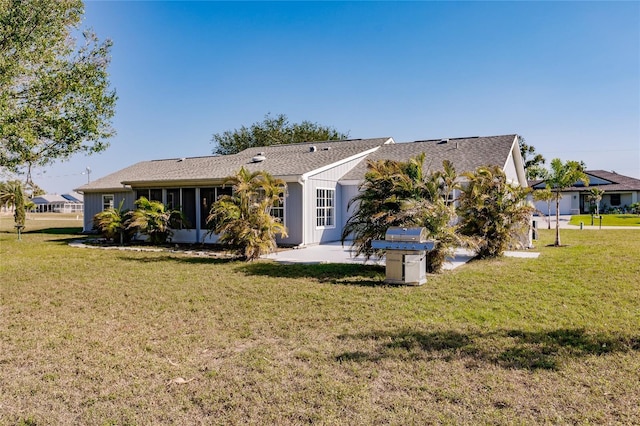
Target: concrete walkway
x=336 y=253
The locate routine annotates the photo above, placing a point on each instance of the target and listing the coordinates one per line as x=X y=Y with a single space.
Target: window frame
x=110 y=204
x=321 y=220
x=618 y=198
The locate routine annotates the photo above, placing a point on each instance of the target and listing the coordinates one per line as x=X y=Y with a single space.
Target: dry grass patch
x=111 y=337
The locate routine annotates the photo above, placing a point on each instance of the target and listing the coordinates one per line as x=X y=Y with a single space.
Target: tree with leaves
x=396 y=193
x=153 y=219
x=243 y=219
x=533 y=162
x=55 y=99
x=272 y=131
x=493 y=210
x=595 y=196
x=19 y=213
x=561 y=176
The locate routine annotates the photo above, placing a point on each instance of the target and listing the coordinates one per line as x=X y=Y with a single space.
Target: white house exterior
x=321 y=178
x=619 y=193
x=54 y=203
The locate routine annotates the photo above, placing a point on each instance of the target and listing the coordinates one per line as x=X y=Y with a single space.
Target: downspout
x=301 y=181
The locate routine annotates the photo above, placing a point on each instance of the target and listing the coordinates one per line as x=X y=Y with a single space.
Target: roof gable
x=466 y=154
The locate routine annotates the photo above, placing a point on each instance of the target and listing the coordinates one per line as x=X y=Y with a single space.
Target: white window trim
x=333 y=208
x=283 y=207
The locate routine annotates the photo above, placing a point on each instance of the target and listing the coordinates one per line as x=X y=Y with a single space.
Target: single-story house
x=321 y=178
x=65 y=203
x=619 y=193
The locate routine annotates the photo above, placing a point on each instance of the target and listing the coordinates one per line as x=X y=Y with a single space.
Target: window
x=107 y=202
x=449 y=198
x=325 y=211
x=615 y=199
x=277 y=210
x=149 y=194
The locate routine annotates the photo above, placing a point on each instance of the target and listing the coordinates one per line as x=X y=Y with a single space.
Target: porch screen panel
x=155 y=195
x=207 y=198
x=173 y=198
x=189 y=205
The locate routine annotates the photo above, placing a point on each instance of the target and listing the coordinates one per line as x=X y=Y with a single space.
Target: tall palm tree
x=493 y=210
x=243 y=219
x=153 y=219
x=562 y=176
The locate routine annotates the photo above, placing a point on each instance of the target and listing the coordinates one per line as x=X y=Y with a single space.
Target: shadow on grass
x=178 y=258
x=55 y=231
x=334 y=273
x=511 y=349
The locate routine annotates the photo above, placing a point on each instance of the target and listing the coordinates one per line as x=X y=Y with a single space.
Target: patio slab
x=337 y=253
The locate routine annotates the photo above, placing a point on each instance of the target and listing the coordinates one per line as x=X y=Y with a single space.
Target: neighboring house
x=321 y=179
x=65 y=203
x=619 y=193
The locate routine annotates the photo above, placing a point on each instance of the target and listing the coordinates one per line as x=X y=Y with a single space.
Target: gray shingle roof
x=618 y=182
x=280 y=160
x=466 y=154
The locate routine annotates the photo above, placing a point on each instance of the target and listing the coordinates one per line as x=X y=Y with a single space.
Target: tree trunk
x=557 y=219
x=548 y=214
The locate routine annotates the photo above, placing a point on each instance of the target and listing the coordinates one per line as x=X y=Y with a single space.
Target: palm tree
x=400 y=194
x=113 y=222
x=595 y=196
x=243 y=219
x=12 y=196
x=493 y=210
x=547 y=196
x=151 y=218
x=561 y=176
x=8 y=191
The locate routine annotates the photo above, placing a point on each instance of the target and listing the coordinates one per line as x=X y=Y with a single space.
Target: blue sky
x=564 y=75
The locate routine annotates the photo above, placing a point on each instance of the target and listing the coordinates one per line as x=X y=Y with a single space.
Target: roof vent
x=181 y=159
x=313 y=148
x=442 y=141
x=326 y=148
x=258 y=158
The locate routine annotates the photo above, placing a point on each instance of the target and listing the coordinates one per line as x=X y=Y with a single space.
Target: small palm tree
x=113 y=222
x=547 y=196
x=151 y=218
x=493 y=210
x=561 y=176
x=595 y=196
x=243 y=219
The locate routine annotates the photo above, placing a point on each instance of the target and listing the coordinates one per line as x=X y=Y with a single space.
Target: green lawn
x=607 y=220
x=99 y=337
